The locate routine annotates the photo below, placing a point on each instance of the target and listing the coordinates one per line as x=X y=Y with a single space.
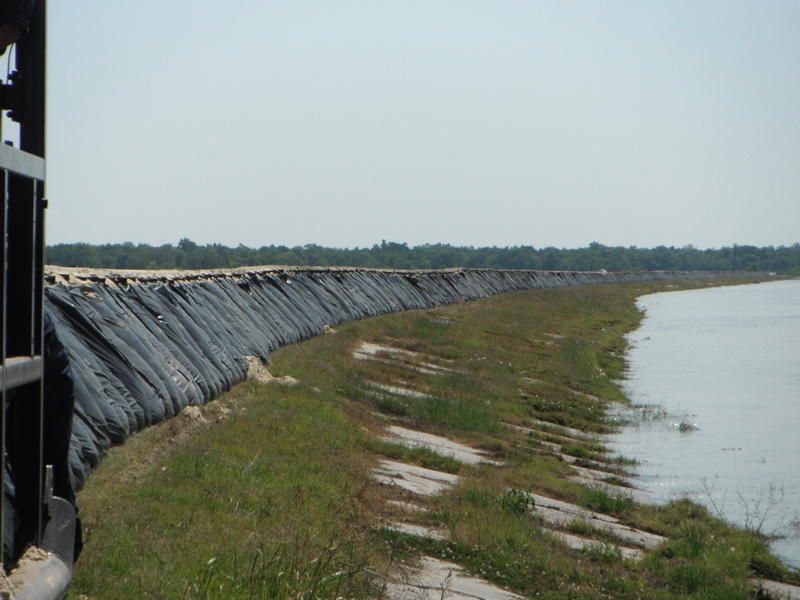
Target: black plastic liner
x=137 y=349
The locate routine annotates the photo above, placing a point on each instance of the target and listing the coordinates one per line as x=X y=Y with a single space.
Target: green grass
x=517 y=501
x=604 y=553
x=272 y=485
x=601 y=501
x=579 y=451
x=273 y=498
x=280 y=571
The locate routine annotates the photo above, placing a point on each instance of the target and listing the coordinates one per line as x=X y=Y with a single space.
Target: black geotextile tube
x=138 y=351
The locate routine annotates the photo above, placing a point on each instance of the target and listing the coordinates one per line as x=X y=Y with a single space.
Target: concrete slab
x=539 y=432
x=594 y=466
x=595 y=470
x=440 y=368
x=396 y=390
x=584 y=395
x=560 y=514
x=564 y=430
x=407 y=506
x=367 y=350
x=635 y=494
x=434 y=579
x=575 y=511
x=582 y=543
x=438 y=444
x=417 y=362
x=777 y=590
x=403 y=364
x=419 y=480
x=552 y=446
x=598 y=473
x=417 y=530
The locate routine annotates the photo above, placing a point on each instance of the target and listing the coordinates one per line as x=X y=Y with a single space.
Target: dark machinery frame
x=31 y=518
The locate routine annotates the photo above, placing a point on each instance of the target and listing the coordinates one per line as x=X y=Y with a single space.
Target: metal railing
x=32 y=520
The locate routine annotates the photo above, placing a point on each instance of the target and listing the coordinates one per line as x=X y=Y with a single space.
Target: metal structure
x=32 y=520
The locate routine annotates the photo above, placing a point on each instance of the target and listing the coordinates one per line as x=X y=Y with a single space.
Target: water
x=726 y=360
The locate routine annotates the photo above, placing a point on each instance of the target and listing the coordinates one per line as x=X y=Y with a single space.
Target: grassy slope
x=274 y=499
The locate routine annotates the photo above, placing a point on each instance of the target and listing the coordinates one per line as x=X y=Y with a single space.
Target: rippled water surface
x=726 y=361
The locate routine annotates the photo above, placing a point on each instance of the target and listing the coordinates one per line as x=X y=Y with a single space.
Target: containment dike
x=127 y=349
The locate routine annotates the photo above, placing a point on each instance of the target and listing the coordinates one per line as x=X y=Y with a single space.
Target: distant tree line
x=189 y=255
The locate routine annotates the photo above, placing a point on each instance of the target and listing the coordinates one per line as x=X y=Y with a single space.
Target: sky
x=491 y=122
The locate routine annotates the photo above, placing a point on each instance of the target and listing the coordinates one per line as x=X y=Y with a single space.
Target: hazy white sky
x=492 y=122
